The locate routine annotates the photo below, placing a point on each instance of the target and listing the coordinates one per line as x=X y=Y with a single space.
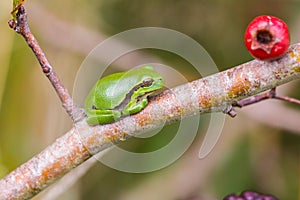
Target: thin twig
x=229 y=110
x=255 y=99
x=21 y=27
x=288 y=99
x=267 y=95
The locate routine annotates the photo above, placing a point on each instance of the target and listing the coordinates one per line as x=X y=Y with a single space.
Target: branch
x=210 y=94
x=21 y=27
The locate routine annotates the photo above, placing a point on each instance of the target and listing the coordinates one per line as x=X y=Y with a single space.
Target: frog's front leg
x=135 y=106
x=96 y=117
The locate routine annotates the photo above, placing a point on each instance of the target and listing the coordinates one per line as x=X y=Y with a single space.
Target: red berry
x=267 y=38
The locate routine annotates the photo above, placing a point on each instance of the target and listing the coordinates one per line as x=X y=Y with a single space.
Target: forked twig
x=271 y=94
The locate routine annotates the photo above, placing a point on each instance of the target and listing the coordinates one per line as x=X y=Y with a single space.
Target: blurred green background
x=259 y=149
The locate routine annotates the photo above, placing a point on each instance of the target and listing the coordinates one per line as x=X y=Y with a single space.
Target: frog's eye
x=147 y=82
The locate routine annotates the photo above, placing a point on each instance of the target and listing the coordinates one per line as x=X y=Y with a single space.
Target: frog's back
x=111 y=90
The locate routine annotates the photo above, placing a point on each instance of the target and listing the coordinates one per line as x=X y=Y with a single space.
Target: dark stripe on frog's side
x=146 y=83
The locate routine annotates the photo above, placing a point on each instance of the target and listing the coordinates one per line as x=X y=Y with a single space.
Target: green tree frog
x=121 y=94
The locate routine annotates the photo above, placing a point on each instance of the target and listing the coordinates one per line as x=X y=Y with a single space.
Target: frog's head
x=152 y=80
x=153 y=83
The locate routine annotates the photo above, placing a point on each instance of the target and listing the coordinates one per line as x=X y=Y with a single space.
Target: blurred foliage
x=235 y=174
x=262 y=158
x=217 y=22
